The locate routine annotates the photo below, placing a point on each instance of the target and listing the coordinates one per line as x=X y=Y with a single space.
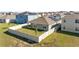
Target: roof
x=27 y=13
x=73 y=16
x=56 y=14
x=54 y=18
x=7 y=16
x=43 y=20
x=67 y=13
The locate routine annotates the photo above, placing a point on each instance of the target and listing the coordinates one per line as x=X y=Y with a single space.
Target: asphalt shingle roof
x=43 y=20
x=73 y=16
x=7 y=16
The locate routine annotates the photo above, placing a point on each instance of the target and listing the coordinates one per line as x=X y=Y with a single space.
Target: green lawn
x=61 y=39
x=31 y=32
x=5 y=39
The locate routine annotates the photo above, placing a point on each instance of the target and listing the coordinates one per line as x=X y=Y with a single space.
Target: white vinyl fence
x=43 y=36
x=14 y=29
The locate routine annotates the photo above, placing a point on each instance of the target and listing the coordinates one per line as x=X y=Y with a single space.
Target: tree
x=36 y=31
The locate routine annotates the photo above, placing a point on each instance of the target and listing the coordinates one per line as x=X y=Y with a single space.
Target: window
x=44 y=27
x=77 y=21
x=76 y=29
x=64 y=27
x=35 y=26
x=64 y=21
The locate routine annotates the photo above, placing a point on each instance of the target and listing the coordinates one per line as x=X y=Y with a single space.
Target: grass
x=64 y=39
x=31 y=32
x=5 y=39
x=8 y=40
x=59 y=39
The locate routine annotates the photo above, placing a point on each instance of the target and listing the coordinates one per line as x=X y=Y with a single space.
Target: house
x=25 y=17
x=8 y=13
x=69 y=13
x=43 y=23
x=55 y=16
x=70 y=23
x=44 y=13
x=7 y=18
x=44 y=26
x=76 y=12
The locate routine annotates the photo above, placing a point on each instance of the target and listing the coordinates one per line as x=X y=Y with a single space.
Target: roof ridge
x=42 y=20
x=45 y=20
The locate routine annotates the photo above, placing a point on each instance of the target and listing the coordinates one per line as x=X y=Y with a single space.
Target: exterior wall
x=32 y=17
x=51 y=26
x=48 y=27
x=21 y=19
x=40 y=26
x=59 y=22
x=12 y=20
x=25 y=18
x=2 y=20
x=69 y=25
x=7 y=20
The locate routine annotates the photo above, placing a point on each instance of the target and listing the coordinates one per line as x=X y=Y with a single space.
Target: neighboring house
x=68 y=13
x=70 y=23
x=25 y=17
x=45 y=13
x=43 y=23
x=55 y=16
x=7 y=18
x=76 y=12
x=8 y=13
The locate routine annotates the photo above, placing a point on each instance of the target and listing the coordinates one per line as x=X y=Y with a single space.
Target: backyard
x=61 y=39
x=8 y=40
x=32 y=32
x=57 y=39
